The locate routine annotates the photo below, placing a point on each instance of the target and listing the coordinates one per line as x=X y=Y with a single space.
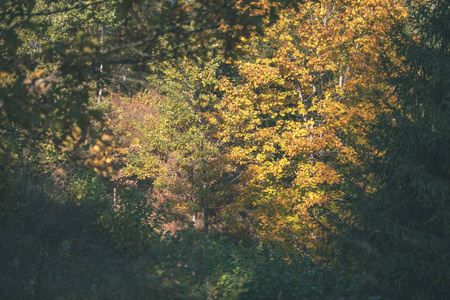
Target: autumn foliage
x=298 y=117
x=236 y=149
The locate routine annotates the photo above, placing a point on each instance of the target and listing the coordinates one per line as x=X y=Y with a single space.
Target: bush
x=196 y=266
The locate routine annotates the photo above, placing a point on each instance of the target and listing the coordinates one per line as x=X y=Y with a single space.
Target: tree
x=404 y=226
x=50 y=59
x=297 y=120
x=177 y=150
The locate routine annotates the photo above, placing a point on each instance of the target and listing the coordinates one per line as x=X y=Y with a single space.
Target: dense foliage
x=225 y=149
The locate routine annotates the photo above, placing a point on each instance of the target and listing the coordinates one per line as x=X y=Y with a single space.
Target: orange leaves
x=308 y=91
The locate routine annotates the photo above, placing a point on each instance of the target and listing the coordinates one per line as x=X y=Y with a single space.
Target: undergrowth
x=57 y=246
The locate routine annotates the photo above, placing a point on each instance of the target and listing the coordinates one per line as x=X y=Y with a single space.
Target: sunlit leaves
x=303 y=107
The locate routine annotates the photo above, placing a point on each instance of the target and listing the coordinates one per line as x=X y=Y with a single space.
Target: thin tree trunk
x=99 y=98
x=205 y=213
x=205 y=216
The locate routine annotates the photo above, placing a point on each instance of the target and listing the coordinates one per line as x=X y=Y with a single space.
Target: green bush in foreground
x=57 y=247
x=191 y=265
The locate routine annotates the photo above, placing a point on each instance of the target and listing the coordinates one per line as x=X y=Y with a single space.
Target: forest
x=225 y=149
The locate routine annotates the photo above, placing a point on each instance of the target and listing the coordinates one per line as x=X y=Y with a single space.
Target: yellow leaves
x=106 y=138
x=99 y=157
x=29 y=79
x=71 y=140
x=36 y=74
x=76 y=133
x=303 y=104
x=135 y=141
x=95 y=149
